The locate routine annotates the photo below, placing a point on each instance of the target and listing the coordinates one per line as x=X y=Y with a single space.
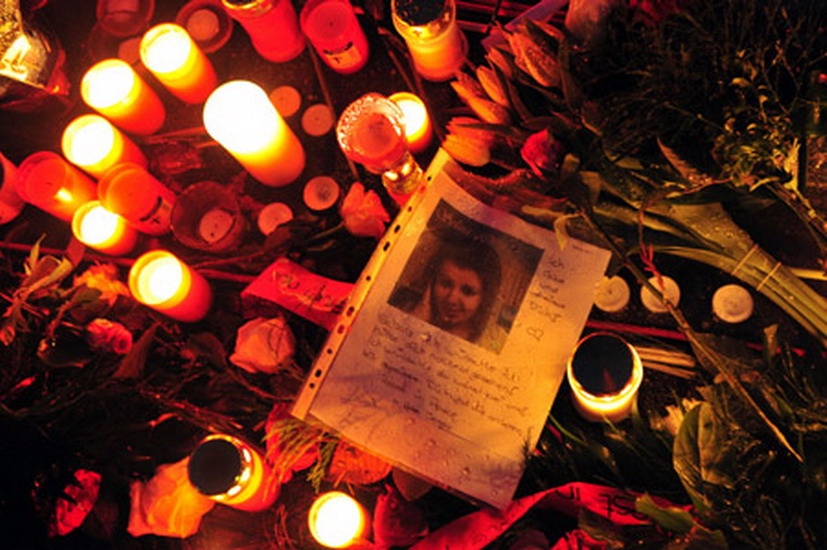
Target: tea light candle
x=272 y=25
x=215 y=225
x=337 y=520
x=231 y=472
x=98 y=228
x=240 y=116
x=604 y=374
x=169 y=52
x=130 y=191
x=335 y=33
x=417 y=123
x=50 y=183
x=115 y=90
x=161 y=281
x=429 y=27
x=10 y=202
x=92 y=143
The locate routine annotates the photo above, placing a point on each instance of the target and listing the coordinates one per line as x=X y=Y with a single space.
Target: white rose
x=263 y=345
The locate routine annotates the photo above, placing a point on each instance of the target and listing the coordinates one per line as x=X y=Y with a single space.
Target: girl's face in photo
x=457 y=294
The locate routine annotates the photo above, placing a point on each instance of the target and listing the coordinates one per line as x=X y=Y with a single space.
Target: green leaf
x=671 y=518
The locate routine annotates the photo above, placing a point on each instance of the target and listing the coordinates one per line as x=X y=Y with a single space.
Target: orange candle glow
x=604 y=375
x=232 y=472
x=240 y=116
x=163 y=282
x=417 y=124
x=50 y=183
x=91 y=142
x=10 y=202
x=98 y=228
x=437 y=46
x=114 y=89
x=337 y=520
x=130 y=191
x=169 y=52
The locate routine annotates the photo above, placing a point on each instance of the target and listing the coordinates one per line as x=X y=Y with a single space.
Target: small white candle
x=337 y=520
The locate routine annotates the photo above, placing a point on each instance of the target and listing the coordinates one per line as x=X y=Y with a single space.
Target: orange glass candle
x=240 y=116
x=161 y=281
x=48 y=182
x=92 y=143
x=435 y=41
x=169 y=52
x=231 y=472
x=604 y=375
x=417 y=123
x=106 y=232
x=10 y=202
x=114 y=89
x=337 y=520
x=130 y=191
x=272 y=25
x=335 y=33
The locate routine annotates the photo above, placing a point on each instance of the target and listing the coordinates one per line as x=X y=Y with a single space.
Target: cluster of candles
x=127 y=199
x=234 y=473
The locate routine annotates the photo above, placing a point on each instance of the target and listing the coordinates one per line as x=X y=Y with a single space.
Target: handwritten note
x=452 y=410
x=312 y=296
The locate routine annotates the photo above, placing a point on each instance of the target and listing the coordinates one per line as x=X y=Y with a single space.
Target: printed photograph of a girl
x=466 y=278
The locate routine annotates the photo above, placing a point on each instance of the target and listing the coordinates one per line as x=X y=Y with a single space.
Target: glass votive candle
x=435 y=41
x=418 y=130
x=240 y=116
x=231 y=472
x=337 y=520
x=106 y=232
x=207 y=217
x=336 y=34
x=170 y=54
x=48 y=182
x=93 y=144
x=130 y=191
x=158 y=279
x=10 y=202
x=207 y=22
x=371 y=131
x=604 y=374
x=272 y=25
x=114 y=89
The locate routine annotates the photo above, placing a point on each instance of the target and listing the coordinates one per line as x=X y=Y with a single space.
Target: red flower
x=363 y=213
x=71 y=511
x=108 y=336
x=542 y=152
x=397 y=522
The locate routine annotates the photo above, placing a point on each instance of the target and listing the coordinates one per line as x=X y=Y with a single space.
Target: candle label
x=157 y=220
x=344 y=57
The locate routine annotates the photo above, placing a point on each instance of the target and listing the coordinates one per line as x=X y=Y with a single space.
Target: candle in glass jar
x=240 y=116
x=435 y=41
x=114 y=89
x=417 y=123
x=604 y=375
x=105 y=231
x=92 y=143
x=130 y=191
x=231 y=472
x=272 y=25
x=161 y=281
x=48 y=182
x=337 y=520
x=335 y=33
x=169 y=52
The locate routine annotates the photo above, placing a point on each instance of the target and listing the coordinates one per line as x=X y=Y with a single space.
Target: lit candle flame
x=337 y=520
